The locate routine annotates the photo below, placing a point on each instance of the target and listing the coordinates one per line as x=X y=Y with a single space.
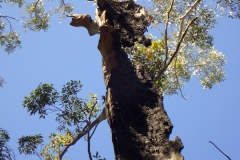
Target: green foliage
x=35 y=17
x=6 y=152
x=229 y=7
x=196 y=54
x=28 y=144
x=57 y=143
x=72 y=113
x=73 y=110
x=12 y=2
x=4 y=138
x=151 y=56
x=10 y=41
x=40 y=98
x=206 y=64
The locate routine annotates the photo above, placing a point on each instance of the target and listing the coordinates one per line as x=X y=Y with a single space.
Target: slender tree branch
x=9 y=17
x=185 y=15
x=176 y=50
x=6 y=17
x=190 y=9
x=160 y=31
x=38 y=155
x=94 y=130
x=35 y=6
x=89 y=147
x=100 y=118
x=63 y=2
x=220 y=150
x=90 y=114
x=166 y=35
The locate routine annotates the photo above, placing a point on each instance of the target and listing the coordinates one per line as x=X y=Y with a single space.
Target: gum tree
x=137 y=70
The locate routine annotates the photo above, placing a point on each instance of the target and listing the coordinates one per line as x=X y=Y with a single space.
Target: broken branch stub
x=84 y=20
x=129 y=19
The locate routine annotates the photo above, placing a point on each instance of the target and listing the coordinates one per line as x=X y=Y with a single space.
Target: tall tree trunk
x=134 y=105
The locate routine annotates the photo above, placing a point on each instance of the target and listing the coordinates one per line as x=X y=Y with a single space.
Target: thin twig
x=220 y=150
x=94 y=130
x=63 y=2
x=175 y=71
x=38 y=156
x=6 y=17
x=35 y=6
x=166 y=35
x=160 y=30
x=176 y=50
x=89 y=147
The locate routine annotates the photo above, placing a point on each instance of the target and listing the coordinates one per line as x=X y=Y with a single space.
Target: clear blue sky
x=66 y=53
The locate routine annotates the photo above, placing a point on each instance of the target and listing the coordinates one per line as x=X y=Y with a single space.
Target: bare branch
x=89 y=147
x=220 y=150
x=176 y=50
x=94 y=131
x=185 y=15
x=35 y=6
x=190 y=9
x=166 y=35
x=100 y=118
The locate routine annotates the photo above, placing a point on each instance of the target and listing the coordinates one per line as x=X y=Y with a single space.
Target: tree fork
x=134 y=105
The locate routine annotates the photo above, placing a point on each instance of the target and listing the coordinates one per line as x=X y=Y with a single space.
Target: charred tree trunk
x=134 y=105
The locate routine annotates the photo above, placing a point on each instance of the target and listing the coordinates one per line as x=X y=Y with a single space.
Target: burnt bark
x=134 y=104
x=140 y=125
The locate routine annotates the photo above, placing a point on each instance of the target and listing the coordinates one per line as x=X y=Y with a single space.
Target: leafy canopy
x=184 y=49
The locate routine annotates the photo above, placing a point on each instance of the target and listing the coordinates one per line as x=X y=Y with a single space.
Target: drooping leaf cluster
x=73 y=115
x=35 y=16
x=28 y=144
x=69 y=108
x=9 y=40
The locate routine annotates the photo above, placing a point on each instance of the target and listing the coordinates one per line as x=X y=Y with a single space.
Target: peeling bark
x=134 y=105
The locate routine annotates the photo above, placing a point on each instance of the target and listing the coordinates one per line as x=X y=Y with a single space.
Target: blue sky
x=65 y=53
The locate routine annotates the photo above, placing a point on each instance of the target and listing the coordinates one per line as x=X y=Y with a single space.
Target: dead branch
x=220 y=150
